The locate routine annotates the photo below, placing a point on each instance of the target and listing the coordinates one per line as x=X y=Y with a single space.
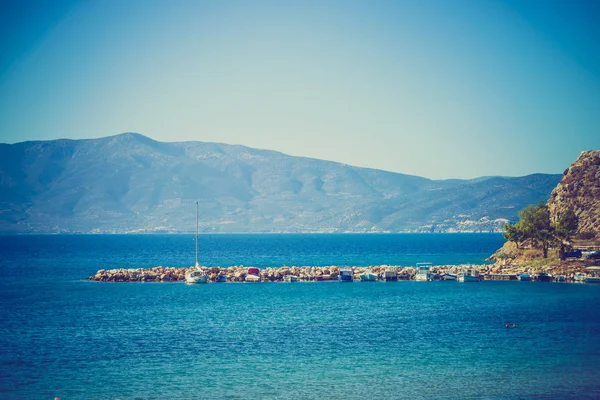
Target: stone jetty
x=239 y=273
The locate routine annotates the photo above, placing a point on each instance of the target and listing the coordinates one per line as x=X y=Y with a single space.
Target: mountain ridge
x=132 y=183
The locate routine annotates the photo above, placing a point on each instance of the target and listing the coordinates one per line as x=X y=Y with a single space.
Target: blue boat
x=391 y=274
x=346 y=275
x=544 y=277
x=573 y=254
x=524 y=277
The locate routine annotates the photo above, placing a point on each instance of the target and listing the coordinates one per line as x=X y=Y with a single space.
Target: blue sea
x=63 y=336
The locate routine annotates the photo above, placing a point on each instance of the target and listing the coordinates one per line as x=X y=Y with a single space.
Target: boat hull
x=368 y=277
x=592 y=279
x=252 y=278
x=467 y=278
x=193 y=279
x=345 y=277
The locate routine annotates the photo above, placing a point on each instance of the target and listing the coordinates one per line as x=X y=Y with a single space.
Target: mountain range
x=132 y=183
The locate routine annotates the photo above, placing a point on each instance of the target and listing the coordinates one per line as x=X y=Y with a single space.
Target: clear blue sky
x=441 y=89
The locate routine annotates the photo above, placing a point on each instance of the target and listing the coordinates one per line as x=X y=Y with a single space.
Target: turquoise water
x=63 y=336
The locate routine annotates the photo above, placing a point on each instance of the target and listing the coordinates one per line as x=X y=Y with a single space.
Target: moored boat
x=368 y=276
x=423 y=272
x=593 y=275
x=524 y=277
x=290 y=278
x=195 y=274
x=252 y=278
x=448 y=277
x=594 y=255
x=544 y=277
x=346 y=275
x=391 y=275
x=468 y=275
x=579 y=277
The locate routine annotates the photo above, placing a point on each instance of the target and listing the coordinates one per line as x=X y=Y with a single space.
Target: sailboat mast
x=196 y=233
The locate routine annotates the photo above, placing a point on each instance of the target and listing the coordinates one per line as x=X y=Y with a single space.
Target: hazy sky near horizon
x=441 y=89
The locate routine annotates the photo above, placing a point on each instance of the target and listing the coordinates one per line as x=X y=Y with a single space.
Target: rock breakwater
x=239 y=273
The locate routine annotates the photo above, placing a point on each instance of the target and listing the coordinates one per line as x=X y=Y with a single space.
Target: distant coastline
x=245 y=233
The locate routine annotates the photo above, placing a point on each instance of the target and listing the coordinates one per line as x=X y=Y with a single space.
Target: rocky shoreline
x=239 y=273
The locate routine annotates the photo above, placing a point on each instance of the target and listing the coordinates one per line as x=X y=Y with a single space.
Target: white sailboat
x=195 y=274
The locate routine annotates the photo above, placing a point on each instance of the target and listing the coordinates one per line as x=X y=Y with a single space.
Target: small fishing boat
x=593 y=275
x=544 y=277
x=346 y=275
x=195 y=273
x=580 y=277
x=524 y=277
x=448 y=277
x=423 y=272
x=594 y=255
x=368 y=276
x=252 y=278
x=468 y=275
x=290 y=278
x=391 y=275
x=221 y=278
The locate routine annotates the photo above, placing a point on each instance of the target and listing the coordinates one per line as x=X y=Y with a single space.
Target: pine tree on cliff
x=565 y=227
x=513 y=233
x=535 y=225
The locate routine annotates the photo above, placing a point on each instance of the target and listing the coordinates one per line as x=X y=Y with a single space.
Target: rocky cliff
x=579 y=189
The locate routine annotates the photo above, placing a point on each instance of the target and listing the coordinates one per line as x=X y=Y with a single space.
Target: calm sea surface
x=63 y=336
